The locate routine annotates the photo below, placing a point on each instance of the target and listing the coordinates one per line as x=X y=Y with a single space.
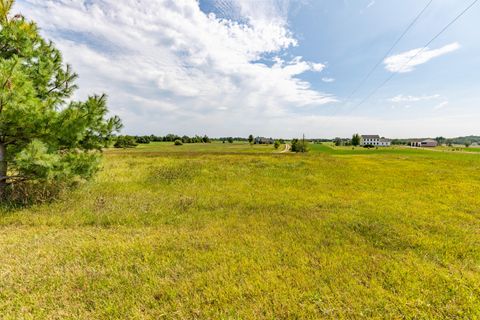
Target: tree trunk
x=3 y=170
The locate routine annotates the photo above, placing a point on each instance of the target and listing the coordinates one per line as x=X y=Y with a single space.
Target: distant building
x=428 y=143
x=375 y=140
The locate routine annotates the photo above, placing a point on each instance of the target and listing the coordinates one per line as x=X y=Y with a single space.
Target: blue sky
x=272 y=67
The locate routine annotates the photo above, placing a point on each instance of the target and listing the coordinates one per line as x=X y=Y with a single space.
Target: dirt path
x=287 y=148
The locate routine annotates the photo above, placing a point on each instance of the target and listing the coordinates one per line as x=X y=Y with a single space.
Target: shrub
x=299 y=145
x=125 y=142
x=178 y=142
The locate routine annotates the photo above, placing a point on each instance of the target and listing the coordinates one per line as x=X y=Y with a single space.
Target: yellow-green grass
x=211 y=234
x=214 y=147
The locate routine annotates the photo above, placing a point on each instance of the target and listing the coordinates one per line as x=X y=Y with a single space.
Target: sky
x=279 y=68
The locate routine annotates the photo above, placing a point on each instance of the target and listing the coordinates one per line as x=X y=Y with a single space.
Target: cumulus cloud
x=166 y=61
x=256 y=11
x=407 y=61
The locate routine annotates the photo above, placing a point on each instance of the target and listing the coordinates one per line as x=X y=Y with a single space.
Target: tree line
x=130 y=141
x=126 y=141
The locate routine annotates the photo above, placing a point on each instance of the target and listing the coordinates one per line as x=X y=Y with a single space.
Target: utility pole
x=303 y=148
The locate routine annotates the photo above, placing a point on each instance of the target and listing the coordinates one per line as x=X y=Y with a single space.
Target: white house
x=375 y=140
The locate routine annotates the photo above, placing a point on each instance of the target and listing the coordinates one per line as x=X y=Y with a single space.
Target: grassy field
x=216 y=147
x=238 y=232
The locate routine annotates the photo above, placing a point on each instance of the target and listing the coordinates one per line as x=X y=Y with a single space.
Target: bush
x=37 y=192
x=276 y=144
x=178 y=142
x=299 y=146
x=125 y=142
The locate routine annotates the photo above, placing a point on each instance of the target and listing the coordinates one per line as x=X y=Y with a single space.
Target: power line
x=414 y=56
x=364 y=80
x=390 y=50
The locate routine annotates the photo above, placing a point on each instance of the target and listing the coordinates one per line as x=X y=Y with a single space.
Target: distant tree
x=441 y=140
x=125 y=142
x=45 y=137
x=250 y=139
x=467 y=144
x=299 y=145
x=338 y=142
x=399 y=142
x=206 y=139
x=356 y=140
x=277 y=144
x=171 y=137
x=186 y=139
x=178 y=142
x=143 y=139
x=230 y=140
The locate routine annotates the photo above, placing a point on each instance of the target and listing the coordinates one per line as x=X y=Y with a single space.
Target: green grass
x=439 y=152
x=471 y=149
x=240 y=232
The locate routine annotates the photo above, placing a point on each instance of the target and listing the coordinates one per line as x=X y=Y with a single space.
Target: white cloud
x=296 y=66
x=407 y=61
x=317 y=67
x=370 y=4
x=166 y=63
x=402 y=98
x=441 y=105
x=254 y=10
x=328 y=80
x=415 y=99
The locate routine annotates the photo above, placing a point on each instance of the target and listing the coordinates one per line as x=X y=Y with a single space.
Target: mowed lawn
x=238 y=232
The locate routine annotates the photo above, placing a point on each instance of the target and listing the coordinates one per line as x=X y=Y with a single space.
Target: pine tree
x=43 y=135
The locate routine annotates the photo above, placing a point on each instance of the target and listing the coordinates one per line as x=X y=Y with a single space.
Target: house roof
x=371 y=136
